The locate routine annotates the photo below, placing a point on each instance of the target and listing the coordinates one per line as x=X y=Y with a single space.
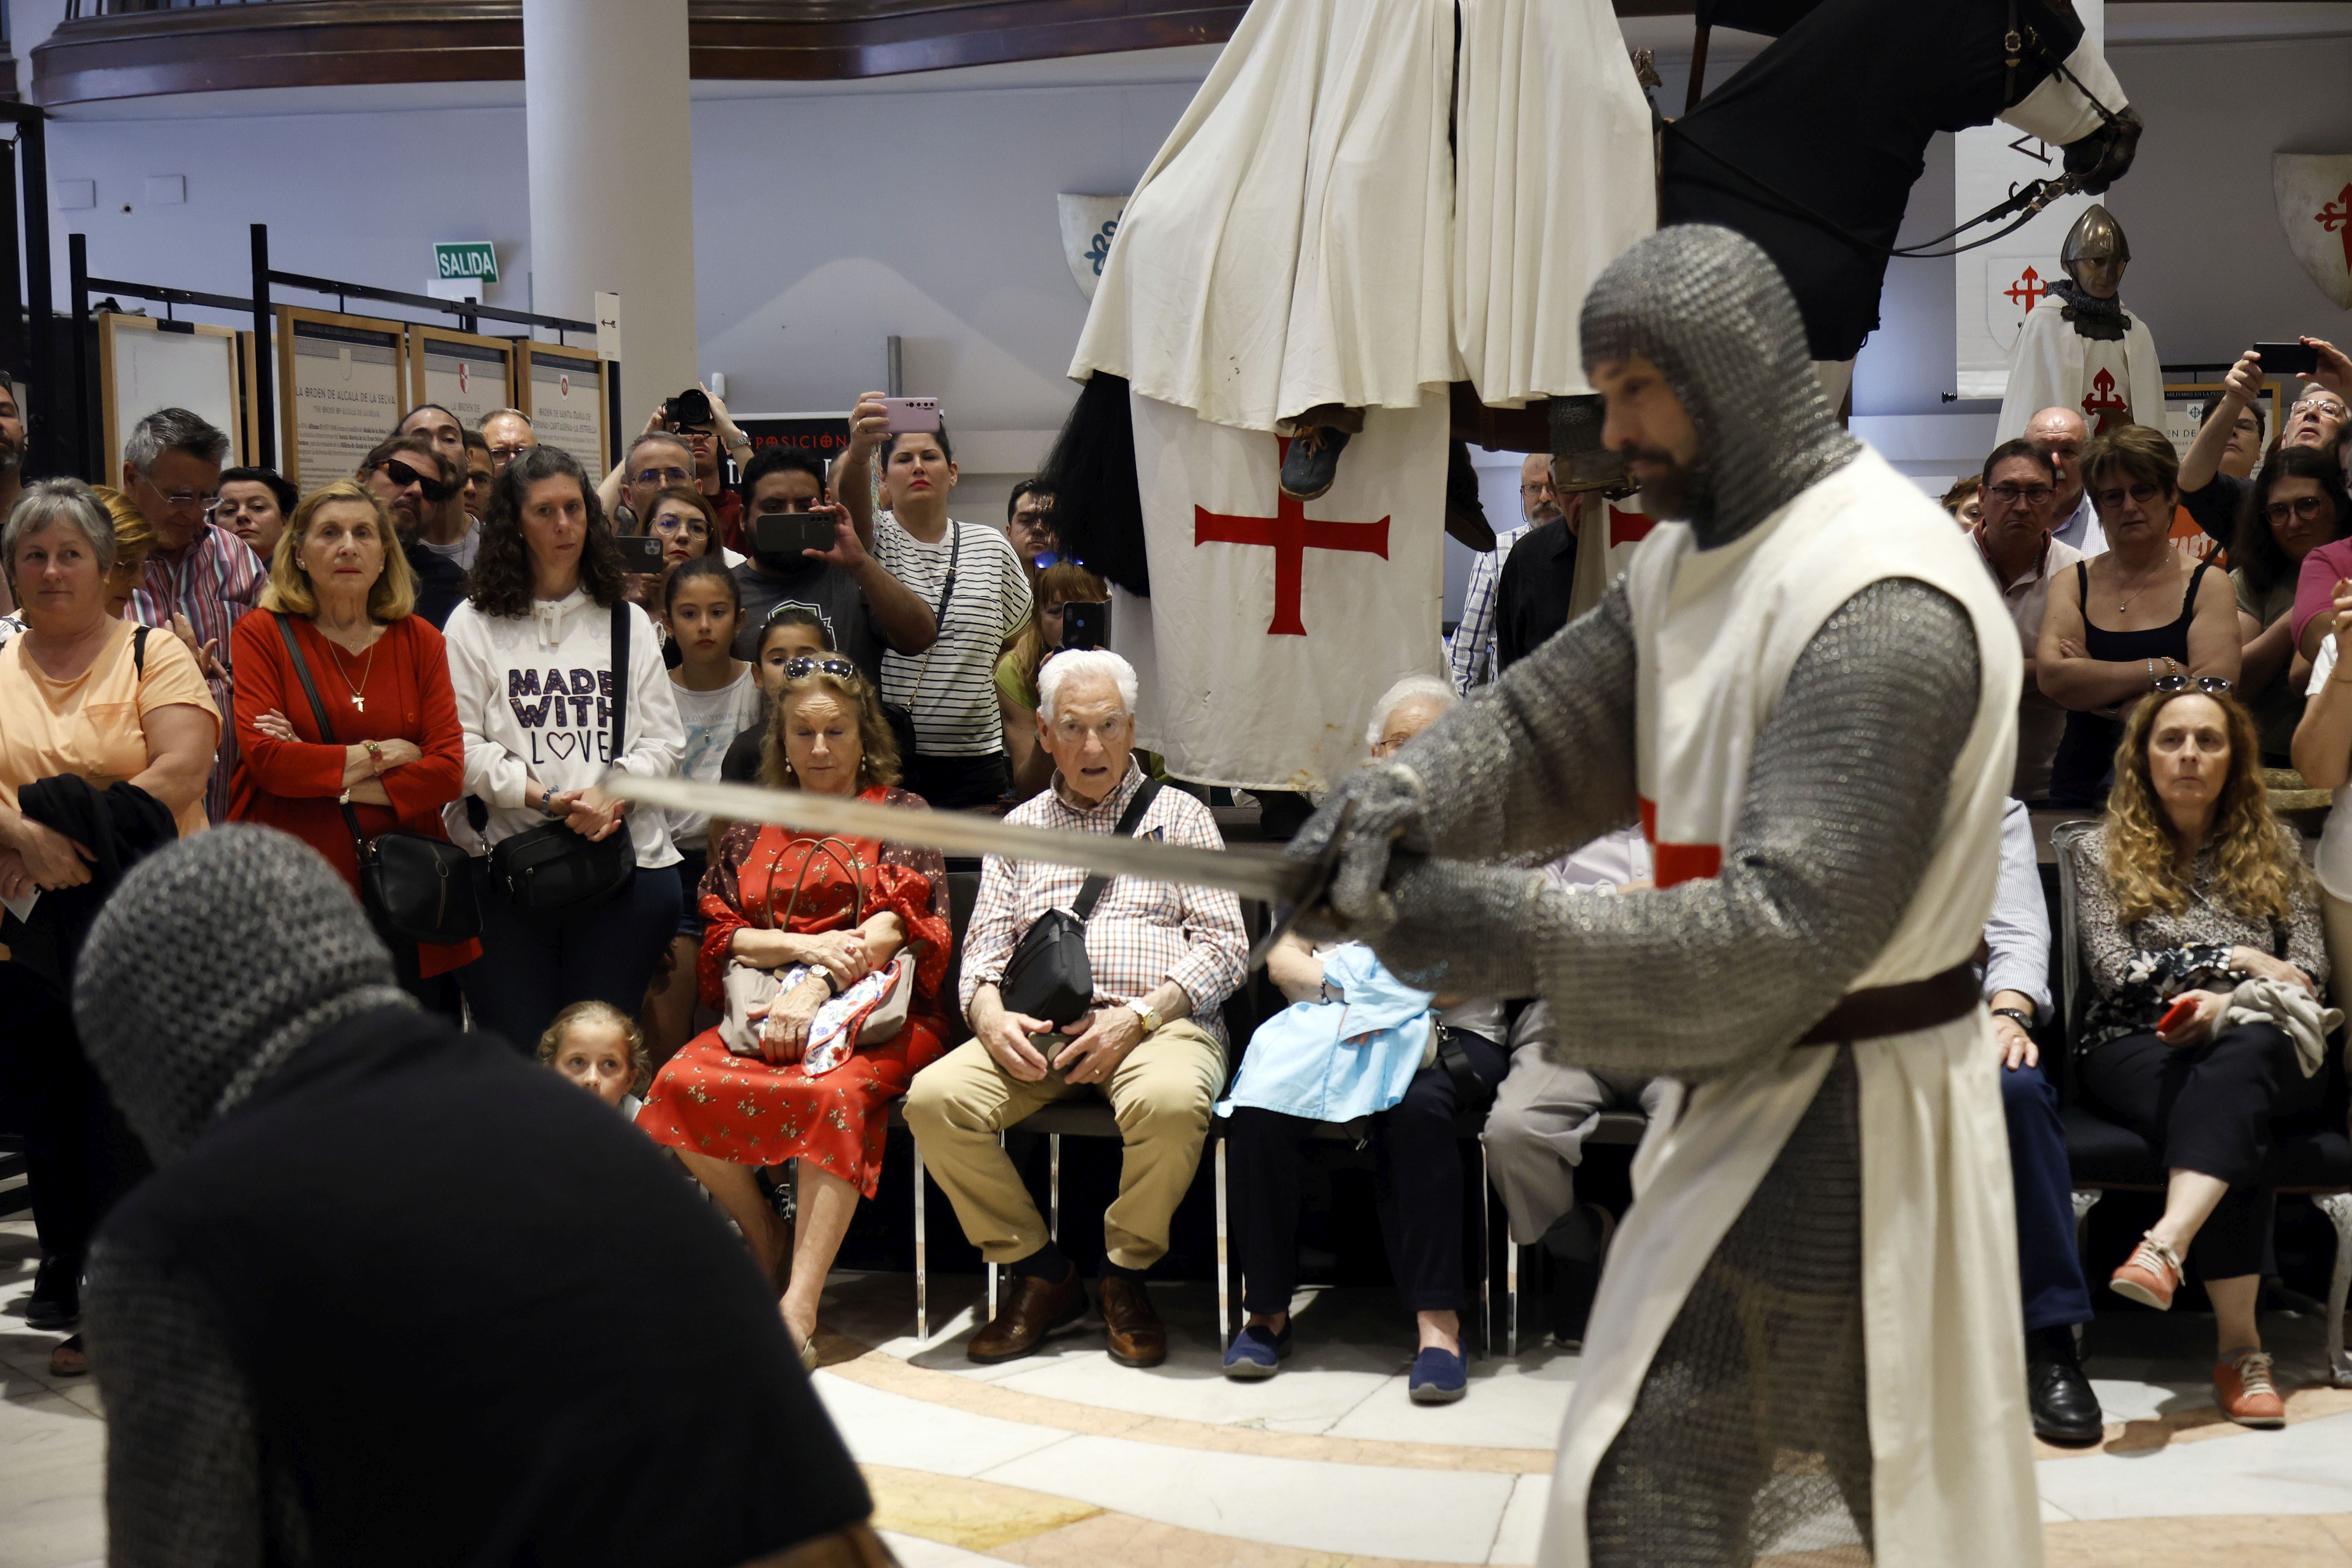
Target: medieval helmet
x=2095 y=236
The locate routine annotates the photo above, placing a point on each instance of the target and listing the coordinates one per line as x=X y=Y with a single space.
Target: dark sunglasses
x=404 y=476
x=2210 y=685
x=839 y=668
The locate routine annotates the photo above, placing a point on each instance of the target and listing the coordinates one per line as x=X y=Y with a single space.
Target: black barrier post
x=615 y=434
x=265 y=360
x=85 y=398
x=46 y=447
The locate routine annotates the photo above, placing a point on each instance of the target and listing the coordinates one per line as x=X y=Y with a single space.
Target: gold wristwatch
x=1150 y=1016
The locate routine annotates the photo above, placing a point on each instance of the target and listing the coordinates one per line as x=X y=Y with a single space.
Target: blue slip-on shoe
x=1437 y=1377
x=1255 y=1352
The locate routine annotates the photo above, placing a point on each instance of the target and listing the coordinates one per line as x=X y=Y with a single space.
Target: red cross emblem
x=1291 y=533
x=2336 y=217
x=2028 y=289
x=2104 y=406
x=563 y=386
x=461 y=378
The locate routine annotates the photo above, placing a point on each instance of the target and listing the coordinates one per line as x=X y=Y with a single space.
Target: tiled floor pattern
x=1067 y=1459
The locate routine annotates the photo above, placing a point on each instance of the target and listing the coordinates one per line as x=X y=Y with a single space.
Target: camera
x=1086 y=623
x=2288 y=359
x=639 y=552
x=784 y=534
x=910 y=415
x=690 y=408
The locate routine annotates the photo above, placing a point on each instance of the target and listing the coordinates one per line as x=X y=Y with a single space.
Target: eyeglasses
x=663 y=476
x=839 y=668
x=2307 y=507
x=2142 y=494
x=507 y=454
x=2327 y=406
x=2009 y=495
x=679 y=522
x=402 y=475
x=1540 y=488
x=179 y=499
x=2210 y=685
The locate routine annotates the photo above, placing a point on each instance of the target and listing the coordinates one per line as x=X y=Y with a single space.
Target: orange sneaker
x=2149 y=1275
x=2242 y=1387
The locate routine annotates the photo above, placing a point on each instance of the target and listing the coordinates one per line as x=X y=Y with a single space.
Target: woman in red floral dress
x=726 y=1114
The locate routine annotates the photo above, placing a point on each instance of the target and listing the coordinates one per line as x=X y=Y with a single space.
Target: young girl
x=716 y=697
x=595 y=1045
x=792 y=631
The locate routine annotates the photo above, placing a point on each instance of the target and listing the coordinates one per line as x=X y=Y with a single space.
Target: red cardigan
x=405 y=679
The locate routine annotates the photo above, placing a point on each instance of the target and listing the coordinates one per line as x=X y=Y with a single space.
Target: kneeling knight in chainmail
x=1807 y=1337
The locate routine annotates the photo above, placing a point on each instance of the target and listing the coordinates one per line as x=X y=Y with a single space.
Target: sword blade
x=1268 y=875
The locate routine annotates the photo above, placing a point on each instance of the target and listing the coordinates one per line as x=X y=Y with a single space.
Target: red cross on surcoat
x=2028 y=289
x=1291 y=533
x=2104 y=406
x=2336 y=217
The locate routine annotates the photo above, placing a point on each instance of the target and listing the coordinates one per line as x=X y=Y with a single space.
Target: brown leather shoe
x=1136 y=1336
x=1033 y=1310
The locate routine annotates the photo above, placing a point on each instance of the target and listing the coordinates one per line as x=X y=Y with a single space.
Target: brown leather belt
x=1885 y=1010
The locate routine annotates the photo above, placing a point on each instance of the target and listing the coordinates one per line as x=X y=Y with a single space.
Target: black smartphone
x=787 y=534
x=2288 y=359
x=1086 y=623
x=639 y=553
x=691 y=406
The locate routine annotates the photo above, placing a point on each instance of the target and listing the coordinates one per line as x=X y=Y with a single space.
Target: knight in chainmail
x=395 y=1297
x=1801 y=695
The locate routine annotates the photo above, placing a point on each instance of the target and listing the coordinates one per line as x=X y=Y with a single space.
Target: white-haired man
x=1163 y=958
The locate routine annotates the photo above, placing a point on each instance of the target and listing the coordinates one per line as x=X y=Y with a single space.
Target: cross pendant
x=359 y=702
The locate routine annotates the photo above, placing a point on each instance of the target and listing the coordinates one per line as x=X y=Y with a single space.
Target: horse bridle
x=2027 y=201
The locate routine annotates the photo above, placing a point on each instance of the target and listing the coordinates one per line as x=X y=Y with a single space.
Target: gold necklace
x=367 y=671
x=2124 y=604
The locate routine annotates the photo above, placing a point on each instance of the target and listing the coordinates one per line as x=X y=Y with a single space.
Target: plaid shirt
x=1472 y=648
x=1140 y=933
x=213 y=585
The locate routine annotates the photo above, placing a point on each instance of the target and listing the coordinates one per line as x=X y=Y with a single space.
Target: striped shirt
x=950 y=687
x=212 y=583
x=1472 y=649
x=1140 y=933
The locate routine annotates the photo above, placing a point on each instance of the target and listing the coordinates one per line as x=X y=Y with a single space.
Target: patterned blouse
x=2137 y=970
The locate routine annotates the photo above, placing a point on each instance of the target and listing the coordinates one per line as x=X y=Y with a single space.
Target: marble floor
x=1067 y=1459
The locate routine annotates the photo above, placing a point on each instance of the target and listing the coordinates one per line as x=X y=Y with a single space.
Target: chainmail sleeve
x=183 y=1460
x=1837 y=827
x=1540 y=761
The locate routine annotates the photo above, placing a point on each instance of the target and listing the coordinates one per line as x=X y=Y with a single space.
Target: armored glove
x=1367 y=818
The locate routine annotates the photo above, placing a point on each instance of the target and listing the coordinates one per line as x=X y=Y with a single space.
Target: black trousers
x=960 y=784
x=535 y=966
x=2208 y=1109
x=1416 y=1183
x=79 y=1151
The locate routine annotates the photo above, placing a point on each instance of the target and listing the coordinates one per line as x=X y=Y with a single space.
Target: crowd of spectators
x=450 y=645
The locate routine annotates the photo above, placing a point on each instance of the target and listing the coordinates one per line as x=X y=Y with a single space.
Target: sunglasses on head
x=2210 y=685
x=805 y=665
x=401 y=474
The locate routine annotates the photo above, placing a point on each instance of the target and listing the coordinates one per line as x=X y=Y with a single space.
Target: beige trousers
x=2335 y=921
x=1161 y=1095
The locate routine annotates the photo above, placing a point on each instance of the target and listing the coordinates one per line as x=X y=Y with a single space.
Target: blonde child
x=601 y=1048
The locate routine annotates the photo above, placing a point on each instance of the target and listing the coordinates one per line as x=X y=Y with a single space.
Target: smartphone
x=2288 y=359
x=2179 y=1013
x=787 y=534
x=909 y=414
x=691 y=406
x=639 y=553
x=1086 y=623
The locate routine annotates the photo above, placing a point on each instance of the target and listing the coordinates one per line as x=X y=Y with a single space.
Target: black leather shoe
x=56 y=1302
x=2065 y=1411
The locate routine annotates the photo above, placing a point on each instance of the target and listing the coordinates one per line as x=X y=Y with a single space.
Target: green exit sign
x=466 y=258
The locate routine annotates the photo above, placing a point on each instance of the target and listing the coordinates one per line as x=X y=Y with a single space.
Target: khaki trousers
x=2335 y=922
x=1161 y=1095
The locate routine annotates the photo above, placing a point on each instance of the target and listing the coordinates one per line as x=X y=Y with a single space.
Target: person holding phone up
x=970 y=576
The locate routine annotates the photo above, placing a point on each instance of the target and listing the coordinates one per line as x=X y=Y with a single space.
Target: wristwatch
x=2025 y=1019
x=546 y=800
x=1150 y=1016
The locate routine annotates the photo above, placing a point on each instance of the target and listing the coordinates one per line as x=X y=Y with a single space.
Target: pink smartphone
x=909 y=414
x=2179 y=1013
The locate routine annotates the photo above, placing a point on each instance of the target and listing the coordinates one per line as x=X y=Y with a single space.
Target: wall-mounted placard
x=145 y=364
x=468 y=375
x=567 y=402
x=344 y=386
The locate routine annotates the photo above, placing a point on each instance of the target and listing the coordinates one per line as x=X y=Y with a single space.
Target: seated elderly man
x=2016 y=987
x=1358 y=1042
x=1163 y=958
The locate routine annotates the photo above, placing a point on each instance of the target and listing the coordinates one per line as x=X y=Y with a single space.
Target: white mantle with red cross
x=1273 y=623
x=2111 y=382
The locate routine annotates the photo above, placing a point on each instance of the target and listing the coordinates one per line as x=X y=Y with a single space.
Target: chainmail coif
x=1707 y=307
x=216 y=960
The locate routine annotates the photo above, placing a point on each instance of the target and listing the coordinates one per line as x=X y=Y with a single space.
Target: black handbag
x=415 y=886
x=549 y=867
x=1048 y=975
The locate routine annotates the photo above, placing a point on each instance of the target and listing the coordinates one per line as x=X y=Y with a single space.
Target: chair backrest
x=963 y=891
x=2073 y=992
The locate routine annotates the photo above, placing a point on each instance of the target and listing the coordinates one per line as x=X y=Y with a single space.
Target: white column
x=611 y=179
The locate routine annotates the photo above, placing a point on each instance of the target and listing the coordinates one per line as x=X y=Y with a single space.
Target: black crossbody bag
x=549 y=867
x=1048 y=975
x=415 y=886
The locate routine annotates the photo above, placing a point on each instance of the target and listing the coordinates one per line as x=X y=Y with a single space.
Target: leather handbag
x=1049 y=976
x=413 y=886
x=549 y=867
x=745 y=986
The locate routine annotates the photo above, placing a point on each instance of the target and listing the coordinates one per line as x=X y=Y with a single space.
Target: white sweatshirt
x=534 y=697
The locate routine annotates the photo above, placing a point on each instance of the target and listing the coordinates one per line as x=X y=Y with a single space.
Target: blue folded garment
x=1334 y=1061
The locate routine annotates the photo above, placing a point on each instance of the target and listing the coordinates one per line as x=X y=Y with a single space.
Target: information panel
x=471 y=376
x=344 y=388
x=567 y=404
x=145 y=364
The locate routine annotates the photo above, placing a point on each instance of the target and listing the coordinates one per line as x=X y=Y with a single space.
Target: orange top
x=90 y=725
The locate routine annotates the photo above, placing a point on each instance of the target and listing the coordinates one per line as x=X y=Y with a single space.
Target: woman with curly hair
x=825 y=911
x=2192 y=895
x=536 y=661
x=2294 y=506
